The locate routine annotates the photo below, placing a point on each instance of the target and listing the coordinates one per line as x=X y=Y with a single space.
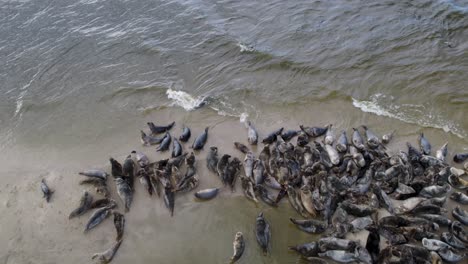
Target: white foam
x=245 y=48
x=184 y=100
x=382 y=105
x=243 y=117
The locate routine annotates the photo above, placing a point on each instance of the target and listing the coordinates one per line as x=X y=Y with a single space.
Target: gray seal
x=46 y=190
x=207 y=194
x=200 y=141
x=262 y=232
x=185 y=134
x=85 y=204
x=159 y=129
x=238 y=247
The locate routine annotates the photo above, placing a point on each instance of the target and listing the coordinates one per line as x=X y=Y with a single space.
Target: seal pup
x=108 y=255
x=85 y=204
x=159 y=129
x=185 y=134
x=47 y=193
x=238 y=247
x=252 y=135
x=119 y=223
x=200 y=140
x=262 y=232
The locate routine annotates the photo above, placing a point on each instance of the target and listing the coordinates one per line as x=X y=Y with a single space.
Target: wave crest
x=383 y=105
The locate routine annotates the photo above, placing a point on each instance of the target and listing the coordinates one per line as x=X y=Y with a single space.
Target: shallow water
x=79 y=79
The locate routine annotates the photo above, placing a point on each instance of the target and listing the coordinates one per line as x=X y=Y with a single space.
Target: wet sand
x=34 y=231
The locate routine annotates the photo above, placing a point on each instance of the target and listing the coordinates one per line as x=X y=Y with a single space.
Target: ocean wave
x=190 y=103
x=245 y=47
x=185 y=100
x=383 y=105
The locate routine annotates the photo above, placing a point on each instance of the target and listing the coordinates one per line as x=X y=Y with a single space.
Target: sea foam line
x=407 y=114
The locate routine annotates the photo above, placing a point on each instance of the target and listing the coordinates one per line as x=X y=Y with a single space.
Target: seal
x=147 y=140
x=460 y=214
x=310 y=225
x=98 y=216
x=460 y=157
x=306 y=250
x=119 y=223
x=169 y=199
x=249 y=161
x=342 y=143
x=265 y=196
x=290 y=134
x=238 y=247
x=207 y=194
x=259 y=172
x=424 y=145
x=221 y=166
x=372 y=140
x=386 y=138
x=452 y=240
x=248 y=188
x=459 y=197
x=108 y=255
x=329 y=136
x=125 y=192
x=270 y=138
x=46 y=190
x=212 y=159
x=357 y=140
x=252 y=135
x=165 y=143
x=129 y=170
x=314 y=131
x=200 y=140
x=241 y=147
x=85 y=204
x=159 y=129
x=95 y=173
x=176 y=148
x=262 y=232
x=306 y=199
x=185 y=134
x=232 y=171
x=441 y=153
x=116 y=168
